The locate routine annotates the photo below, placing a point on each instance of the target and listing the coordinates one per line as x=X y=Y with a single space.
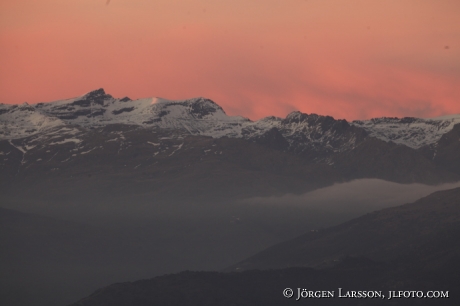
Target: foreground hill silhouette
x=411 y=247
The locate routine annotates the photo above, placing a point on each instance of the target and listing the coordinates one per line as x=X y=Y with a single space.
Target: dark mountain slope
x=374 y=158
x=334 y=285
x=426 y=230
x=445 y=153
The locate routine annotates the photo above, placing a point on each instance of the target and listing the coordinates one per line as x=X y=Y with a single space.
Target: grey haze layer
x=357 y=196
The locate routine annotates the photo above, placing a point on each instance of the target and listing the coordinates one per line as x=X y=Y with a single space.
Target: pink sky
x=352 y=59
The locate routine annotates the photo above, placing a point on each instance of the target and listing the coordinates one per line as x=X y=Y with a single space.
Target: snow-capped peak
x=94 y=93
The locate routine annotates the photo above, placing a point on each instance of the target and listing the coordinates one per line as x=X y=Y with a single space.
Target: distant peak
x=202 y=100
x=294 y=114
x=95 y=93
x=198 y=104
x=203 y=106
x=299 y=116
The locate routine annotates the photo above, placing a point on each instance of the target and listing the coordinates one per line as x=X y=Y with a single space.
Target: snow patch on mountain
x=409 y=131
x=18 y=121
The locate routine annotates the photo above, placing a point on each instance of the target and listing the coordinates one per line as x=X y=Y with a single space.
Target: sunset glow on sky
x=352 y=59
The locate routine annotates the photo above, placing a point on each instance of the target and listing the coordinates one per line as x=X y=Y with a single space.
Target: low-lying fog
x=358 y=196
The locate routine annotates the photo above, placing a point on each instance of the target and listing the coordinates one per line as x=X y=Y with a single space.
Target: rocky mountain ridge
x=312 y=136
x=409 y=131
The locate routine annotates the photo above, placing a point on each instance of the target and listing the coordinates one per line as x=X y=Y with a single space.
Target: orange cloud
x=349 y=59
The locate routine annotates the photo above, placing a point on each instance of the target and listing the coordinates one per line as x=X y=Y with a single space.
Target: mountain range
x=51 y=137
x=162 y=185
x=200 y=116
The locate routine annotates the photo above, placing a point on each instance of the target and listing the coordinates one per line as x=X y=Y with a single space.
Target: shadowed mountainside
x=425 y=230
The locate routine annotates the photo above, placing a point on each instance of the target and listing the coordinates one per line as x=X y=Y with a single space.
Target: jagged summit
x=299 y=117
x=198 y=108
x=203 y=106
x=95 y=93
